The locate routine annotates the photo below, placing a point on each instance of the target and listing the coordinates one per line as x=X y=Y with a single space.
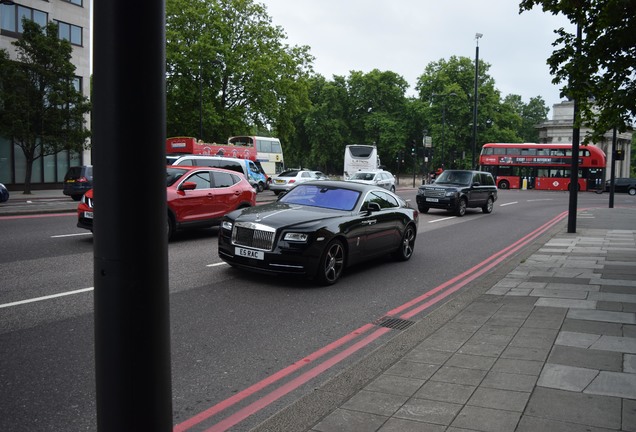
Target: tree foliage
x=41 y=111
x=229 y=67
x=599 y=69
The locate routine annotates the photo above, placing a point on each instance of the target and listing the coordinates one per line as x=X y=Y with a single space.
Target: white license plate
x=88 y=215
x=249 y=253
x=432 y=200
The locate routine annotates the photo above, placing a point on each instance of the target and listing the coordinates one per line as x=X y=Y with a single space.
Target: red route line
x=294 y=384
x=270 y=380
x=276 y=394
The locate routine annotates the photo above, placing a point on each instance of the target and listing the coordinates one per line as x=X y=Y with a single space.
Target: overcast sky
x=404 y=36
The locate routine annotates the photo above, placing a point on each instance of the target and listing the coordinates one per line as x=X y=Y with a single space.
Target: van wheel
x=260 y=187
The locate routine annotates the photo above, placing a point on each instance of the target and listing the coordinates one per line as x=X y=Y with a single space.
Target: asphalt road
x=236 y=338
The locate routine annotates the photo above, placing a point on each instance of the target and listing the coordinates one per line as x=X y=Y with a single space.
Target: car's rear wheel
x=405 y=251
x=331 y=263
x=632 y=191
x=170 y=227
x=489 y=205
x=460 y=210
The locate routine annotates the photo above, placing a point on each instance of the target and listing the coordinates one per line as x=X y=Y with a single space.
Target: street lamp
x=477 y=36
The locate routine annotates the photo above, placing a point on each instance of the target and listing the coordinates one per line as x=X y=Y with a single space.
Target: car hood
x=279 y=214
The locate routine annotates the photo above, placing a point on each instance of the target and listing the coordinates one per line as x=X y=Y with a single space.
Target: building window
x=70 y=32
x=75 y=2
x=11 y=22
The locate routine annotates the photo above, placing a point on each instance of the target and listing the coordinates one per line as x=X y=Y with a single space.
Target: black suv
x=77 y=181
x=623 y=184
x=457 y=190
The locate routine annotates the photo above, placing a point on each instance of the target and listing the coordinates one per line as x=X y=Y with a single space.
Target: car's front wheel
x=405 y=251
x=170 y=227
x=423 y=209
x=331 y=263
x=460 y=210
x=489 y=205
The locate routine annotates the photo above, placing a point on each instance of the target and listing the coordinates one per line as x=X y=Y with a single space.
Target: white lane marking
x=45 y=297
x=442 y=219
x=507 y=204
x=540 y=199
x=71 y=235
x=216 y=264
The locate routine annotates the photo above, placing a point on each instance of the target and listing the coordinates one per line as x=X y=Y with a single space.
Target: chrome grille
x=253 y=235
x=432 y=193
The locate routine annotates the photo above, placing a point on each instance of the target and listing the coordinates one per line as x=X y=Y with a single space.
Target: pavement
x=546 y=341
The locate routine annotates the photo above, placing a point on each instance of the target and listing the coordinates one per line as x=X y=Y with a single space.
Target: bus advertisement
x=360 y=157
x=268 y=150
x=178 y=146
x=542 y=166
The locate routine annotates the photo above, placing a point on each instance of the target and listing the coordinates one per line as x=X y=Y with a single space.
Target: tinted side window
x=202 y=179
x=221 y=180
x=383 y=199
x=232 y=166
x=488 y=180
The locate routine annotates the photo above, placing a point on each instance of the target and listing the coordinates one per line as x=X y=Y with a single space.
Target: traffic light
x=413 y=146
x=619 y=155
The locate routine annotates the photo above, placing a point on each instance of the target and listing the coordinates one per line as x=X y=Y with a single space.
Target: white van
x=244 y=166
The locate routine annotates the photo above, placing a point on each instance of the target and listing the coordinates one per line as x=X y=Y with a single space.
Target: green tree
x=41 y=110
x=598 y=70
x=229 y=67
x=531 y=114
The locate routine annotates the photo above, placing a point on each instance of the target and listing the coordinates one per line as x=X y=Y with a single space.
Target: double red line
x=407 y=310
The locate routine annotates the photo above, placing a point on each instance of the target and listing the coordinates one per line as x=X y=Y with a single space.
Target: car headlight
x=451 y=193
x=227 y=225
x=296 y=237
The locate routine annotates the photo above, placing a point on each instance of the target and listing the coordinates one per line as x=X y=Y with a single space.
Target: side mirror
x=188 y=186
x=373 y=207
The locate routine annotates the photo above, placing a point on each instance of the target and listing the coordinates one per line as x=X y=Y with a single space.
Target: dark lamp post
x=476 y=94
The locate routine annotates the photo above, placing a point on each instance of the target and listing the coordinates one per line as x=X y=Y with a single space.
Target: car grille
x=432 y=193
x=253 y=235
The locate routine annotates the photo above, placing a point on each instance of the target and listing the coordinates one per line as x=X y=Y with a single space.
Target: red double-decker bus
x=542 y=166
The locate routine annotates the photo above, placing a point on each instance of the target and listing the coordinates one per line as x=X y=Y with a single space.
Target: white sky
x=404 y=36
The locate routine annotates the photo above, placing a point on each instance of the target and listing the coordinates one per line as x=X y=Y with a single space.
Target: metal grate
x=394 y=323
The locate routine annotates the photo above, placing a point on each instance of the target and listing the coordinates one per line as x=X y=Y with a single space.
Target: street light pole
x=475 y=97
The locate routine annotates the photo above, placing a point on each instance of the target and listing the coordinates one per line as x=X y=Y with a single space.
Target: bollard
x=524 y=184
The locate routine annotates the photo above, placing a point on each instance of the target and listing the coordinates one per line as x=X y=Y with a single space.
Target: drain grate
x=394 y=323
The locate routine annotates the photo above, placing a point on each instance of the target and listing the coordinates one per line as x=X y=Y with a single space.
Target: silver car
x=290 y=178
x=376 y=177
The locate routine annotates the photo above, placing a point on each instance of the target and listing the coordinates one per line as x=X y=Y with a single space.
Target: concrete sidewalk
x=549 y=346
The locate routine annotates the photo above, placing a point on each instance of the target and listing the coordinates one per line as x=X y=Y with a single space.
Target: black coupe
x=319 y=228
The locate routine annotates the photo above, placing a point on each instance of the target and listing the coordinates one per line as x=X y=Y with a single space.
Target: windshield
x=455 y=177
x=320 y=196
x=362 y=176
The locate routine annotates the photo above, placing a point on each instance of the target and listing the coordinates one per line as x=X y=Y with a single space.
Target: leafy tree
x=229 y=64
x=599 y=69
x=447 y=86
x=41 y=111
x=531 y=114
